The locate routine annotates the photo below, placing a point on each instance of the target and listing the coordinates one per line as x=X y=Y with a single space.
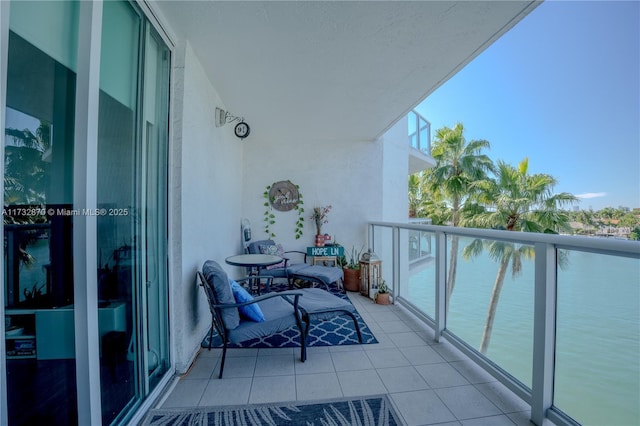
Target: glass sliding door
x=154 y=167
x=38 y=201
x=118 y=239
x=132 y=190
x=130 y=243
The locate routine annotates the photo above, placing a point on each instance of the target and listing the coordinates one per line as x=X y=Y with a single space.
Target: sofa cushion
x=252 y=311
x=218 y=280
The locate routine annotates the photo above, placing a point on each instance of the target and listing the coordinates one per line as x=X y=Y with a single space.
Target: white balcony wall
x=207 y=198
x=342 y=173
x=395 y=172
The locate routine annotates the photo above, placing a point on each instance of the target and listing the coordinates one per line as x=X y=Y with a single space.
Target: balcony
x=420 y=374
x=428 y=360
x=419 y=130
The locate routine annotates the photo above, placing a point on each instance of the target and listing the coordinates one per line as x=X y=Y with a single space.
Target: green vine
x=270 y=218
x=300 y=220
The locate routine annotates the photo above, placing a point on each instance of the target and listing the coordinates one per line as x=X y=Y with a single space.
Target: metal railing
x=554 y=327
x=419 y=132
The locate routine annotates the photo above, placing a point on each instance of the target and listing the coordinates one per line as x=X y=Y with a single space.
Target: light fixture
x=223 y=117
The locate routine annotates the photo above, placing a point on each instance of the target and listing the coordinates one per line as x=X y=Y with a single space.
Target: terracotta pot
x=382 y=298
x=351 y=279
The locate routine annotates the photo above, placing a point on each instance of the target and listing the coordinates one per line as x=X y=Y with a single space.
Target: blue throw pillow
x=241 y=295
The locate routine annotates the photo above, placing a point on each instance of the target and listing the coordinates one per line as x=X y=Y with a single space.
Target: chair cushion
x=294 y=269
x=276 y=273
x=279 y=316
x=251 y=312
x=275 y=250
x=219 y=282
x=322 y=304
x=326 y=274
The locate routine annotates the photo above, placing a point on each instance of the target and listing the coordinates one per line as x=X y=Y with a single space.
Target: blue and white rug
x=373 y=410
x=336 y=331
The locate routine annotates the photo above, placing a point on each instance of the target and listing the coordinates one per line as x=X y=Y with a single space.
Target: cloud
x=592 y=195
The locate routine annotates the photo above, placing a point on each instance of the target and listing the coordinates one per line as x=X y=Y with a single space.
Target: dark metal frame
x=216 y=314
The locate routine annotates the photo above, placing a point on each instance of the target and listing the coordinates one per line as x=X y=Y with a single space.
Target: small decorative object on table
x=382 y=296
x=319 y=216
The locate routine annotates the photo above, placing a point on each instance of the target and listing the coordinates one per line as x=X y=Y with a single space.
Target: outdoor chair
x=323 y=275
x=229 y=317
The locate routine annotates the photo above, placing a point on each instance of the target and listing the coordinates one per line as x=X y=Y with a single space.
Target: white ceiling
x=334 y=70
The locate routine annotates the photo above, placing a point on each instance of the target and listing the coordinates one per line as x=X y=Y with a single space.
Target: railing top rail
x=569 y=242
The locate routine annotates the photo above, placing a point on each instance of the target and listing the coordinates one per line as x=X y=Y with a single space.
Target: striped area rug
x=372 y=410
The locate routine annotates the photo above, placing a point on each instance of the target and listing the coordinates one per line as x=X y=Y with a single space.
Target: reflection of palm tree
x=26 y=168
x=458 y=165
x=518 y=202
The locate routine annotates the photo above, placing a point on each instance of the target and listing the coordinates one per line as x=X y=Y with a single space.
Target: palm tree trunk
x=493 y=305
x=453 y=256
x=453 y=267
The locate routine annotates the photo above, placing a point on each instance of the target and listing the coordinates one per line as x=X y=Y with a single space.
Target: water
x=597 y=378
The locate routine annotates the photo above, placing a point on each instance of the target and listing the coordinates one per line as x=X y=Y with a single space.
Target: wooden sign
x=284 y=196
x=325 y=251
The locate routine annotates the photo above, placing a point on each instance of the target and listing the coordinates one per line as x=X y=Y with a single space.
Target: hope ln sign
x=325 y=251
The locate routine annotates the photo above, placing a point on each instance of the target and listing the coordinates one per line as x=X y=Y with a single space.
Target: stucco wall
x=206 y=201
x=395 y=168
x=344 y=174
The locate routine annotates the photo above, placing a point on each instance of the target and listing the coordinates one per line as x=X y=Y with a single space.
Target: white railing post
x=395 y=289
x=441 y=284
x=544 y=324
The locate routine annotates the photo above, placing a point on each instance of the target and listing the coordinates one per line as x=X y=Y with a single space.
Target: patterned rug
x=337 y=331
x=373 y=410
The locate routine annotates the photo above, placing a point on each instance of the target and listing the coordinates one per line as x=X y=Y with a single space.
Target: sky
x=562 y=87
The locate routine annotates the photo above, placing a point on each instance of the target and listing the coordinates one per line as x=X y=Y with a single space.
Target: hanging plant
x=283 y=196
x=269 y=217
x=300 y=220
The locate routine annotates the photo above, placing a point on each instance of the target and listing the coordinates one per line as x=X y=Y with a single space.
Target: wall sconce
x=223 y=117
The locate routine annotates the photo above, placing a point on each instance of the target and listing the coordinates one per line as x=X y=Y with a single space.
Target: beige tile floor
x=428 y=382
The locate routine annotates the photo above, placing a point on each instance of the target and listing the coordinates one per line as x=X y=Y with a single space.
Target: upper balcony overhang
x=336 y=71
x=419 y=161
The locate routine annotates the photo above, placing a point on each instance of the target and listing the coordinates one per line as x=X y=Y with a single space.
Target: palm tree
x=415 y=195
x=587 y=218
x=458 y=165
x=517 y=201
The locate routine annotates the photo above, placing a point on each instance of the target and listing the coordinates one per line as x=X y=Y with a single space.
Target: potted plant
x=319 y=216
x=351 y=269
x=382 y=296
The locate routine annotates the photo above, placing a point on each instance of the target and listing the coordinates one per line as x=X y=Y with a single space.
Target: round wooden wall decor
x=284 y=196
